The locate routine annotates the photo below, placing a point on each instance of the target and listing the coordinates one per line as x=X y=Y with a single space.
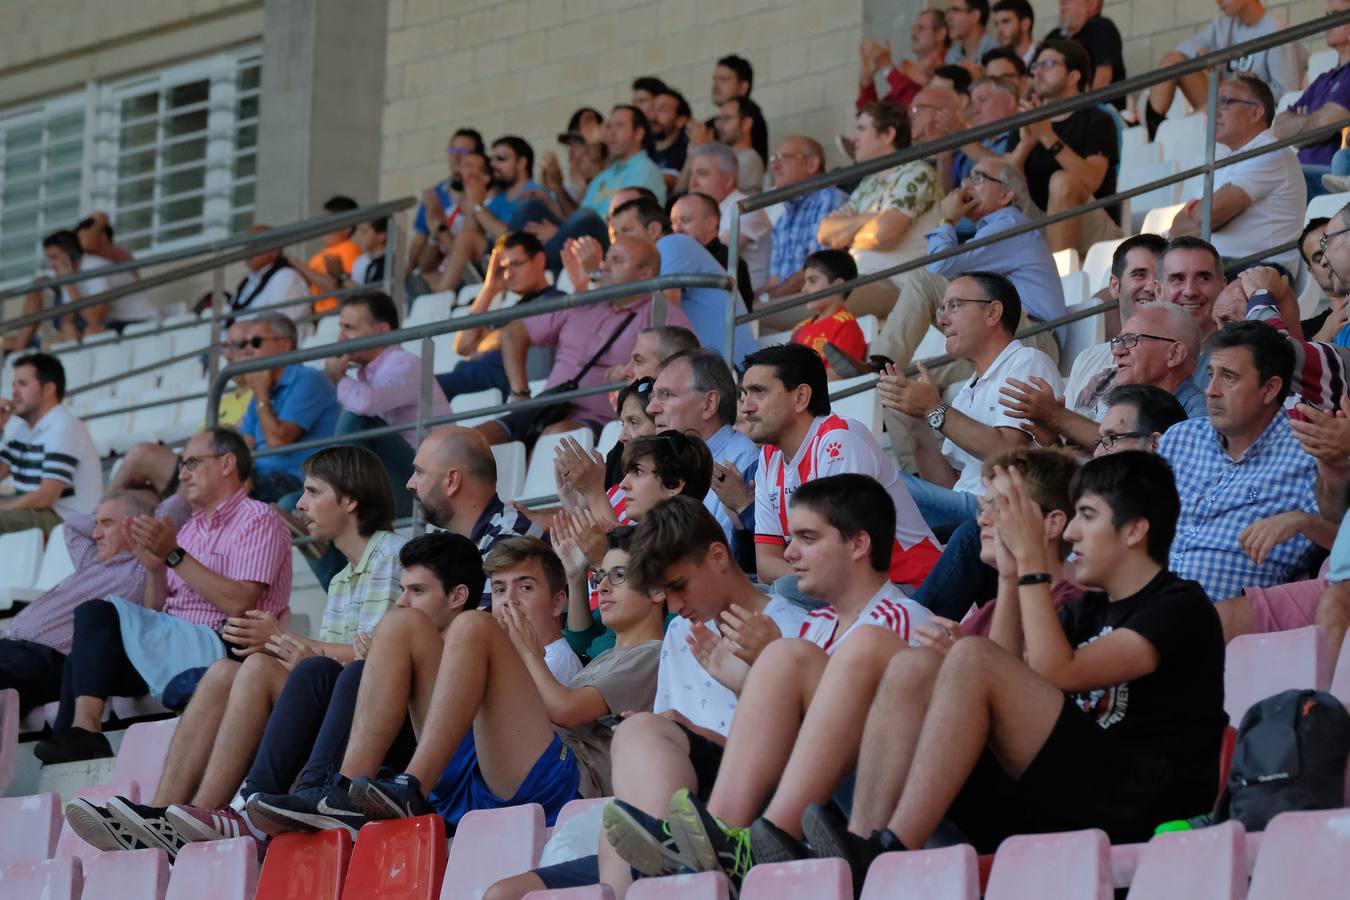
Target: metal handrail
x=258 y=243
x=302 y=229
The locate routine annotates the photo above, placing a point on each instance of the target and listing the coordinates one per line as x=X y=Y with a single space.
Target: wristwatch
x=175 y=556
x=938 y=416
x=1057 y=146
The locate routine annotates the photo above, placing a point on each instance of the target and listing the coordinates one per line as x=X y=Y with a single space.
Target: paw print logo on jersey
x=834 y=452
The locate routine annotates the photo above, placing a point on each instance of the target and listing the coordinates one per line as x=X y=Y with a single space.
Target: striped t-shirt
x=59 y=448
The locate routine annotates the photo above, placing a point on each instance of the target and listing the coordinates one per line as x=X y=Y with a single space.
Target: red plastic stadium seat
x=1073 y=864
x=29 y=827
x=141 y=756
x=10 y=716
x=215 y=870
x=128 y=875
x=806 y=879
x=1226 y=748
x=1304 y=855
x=590 y=892
x=306 y=866
x=70 y=843
x=402 y=859
x=492 y=844
x=703 y=886
x=49 y=879
x=1258 y=666
x=1206 y=864
x=950 y=873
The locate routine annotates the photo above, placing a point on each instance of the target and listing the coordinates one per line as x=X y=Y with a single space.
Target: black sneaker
x=827 y=831
x=313 y=810
x=707 y=840
x=399 y=797
x=771 y=844
x=99 y=828
x=75 y=745
x=149 y=824
x=643 y=841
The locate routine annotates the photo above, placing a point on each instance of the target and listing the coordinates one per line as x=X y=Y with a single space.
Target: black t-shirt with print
x=1175 y=712
x=1087 y=132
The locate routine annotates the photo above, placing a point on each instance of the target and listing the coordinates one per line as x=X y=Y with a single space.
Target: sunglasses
x=255 y=342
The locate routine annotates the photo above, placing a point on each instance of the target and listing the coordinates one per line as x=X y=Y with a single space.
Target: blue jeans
x=393 y=451
x=939 y=505
x=960 y=579
x=470 y=375
x=584 y=221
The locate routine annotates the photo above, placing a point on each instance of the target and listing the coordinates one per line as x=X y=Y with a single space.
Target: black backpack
x=1290 y=755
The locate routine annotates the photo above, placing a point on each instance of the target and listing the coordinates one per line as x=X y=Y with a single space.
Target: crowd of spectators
x=750 y=599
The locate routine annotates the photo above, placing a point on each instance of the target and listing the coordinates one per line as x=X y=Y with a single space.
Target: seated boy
x=830 y=322
x=347 y=501
x=1113 y=720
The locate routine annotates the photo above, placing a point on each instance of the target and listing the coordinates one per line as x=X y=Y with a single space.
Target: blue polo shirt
x=636 y=171
x=705 y=307
x=503 y=207
x=304 y=397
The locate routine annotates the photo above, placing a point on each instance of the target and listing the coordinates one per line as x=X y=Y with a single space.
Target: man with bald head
x=795 y=159
x=586 y=341
x=1158 y=345
x=699 y=216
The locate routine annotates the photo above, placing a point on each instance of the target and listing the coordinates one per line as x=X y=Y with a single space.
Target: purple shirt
x=1330 y=87
x=577 y=333
x=388 y=387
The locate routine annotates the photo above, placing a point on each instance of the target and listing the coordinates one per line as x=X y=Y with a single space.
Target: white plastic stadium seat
x=1183 y=138
x=510 y=469
x=609 y=436
x=476 y=400
x=1159 y=219
x=869 y=326
x=1080 y=335
x=1321 y=61
x=1066 y=261
x=1076 y=288
x=864 y=407
x=539 y=476
x=1140 y=205
x=22 y=553
x=56 y=564
x=1327 y=205
x=1135 y=149
x=1097 y=263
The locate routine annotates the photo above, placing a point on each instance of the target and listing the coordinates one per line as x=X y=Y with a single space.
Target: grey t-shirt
x=626 y=678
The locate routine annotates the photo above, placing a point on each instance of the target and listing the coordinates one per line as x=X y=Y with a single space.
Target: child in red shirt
x=830 y=322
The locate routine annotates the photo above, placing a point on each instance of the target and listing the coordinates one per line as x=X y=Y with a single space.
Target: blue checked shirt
x=794 y=234
x=1221 y=496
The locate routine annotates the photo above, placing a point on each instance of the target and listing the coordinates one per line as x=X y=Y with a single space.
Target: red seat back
x=401 y=859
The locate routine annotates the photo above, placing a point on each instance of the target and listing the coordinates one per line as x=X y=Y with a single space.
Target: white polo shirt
x=979 y=399
x=1279 y=195
x=58 y=448
x=756 y=237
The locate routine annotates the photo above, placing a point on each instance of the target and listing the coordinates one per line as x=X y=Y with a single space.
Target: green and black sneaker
x=643 y=841
x=707 y=840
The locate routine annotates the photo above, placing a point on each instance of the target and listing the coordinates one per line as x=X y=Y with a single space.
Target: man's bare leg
x=984 y=696
x=492 y=432
x=146 y=464
x=768 y=717
x=400 y=670
x=650 y=756
x=196 y=734
x=1235 y=615
x=830 y=735
x=1160 y=95
x=1333 y=614
x=889 y=736
x=1065 y=192
x=514 y=888
x=255 y=692
x=480 y=679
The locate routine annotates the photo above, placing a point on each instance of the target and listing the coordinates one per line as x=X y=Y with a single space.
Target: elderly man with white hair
x=713 y=170
x=994 y=196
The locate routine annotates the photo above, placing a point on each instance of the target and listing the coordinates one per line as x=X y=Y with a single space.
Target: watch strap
x=1057 y=146
x=1034 y=578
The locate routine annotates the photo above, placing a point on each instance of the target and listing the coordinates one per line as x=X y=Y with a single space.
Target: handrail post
x=423 y=413
x=217 y=307
x=1207 y=200
x=393 y=281
x=733 y=265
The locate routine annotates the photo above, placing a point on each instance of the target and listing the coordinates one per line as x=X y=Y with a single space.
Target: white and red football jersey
x=889 y=609
x=833 y=446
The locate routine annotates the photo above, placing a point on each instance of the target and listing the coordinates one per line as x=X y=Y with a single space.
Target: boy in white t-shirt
x=840 y=552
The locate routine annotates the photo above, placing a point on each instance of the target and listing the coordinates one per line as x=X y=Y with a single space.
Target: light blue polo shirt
x=636 y=171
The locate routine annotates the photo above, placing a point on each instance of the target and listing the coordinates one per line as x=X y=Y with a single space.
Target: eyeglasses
x=914 y=109
x=1046 y=63
x=977 y=178
x=1131 y=339
x=1322 y=241
x=1108 y=441
x=783 y=157
x=458 y=151
x=255 y=342
x=190 y=463
x=1225 y=102
x=617 y=576
x=952 y=305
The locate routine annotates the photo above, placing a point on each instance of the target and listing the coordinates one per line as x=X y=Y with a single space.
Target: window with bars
x=171 y=156
x=41 y=158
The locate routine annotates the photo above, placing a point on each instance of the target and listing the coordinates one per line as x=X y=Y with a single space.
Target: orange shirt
x=345 y=251
x=840 y=329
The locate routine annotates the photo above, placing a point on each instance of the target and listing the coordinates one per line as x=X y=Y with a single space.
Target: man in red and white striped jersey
x=785 y=405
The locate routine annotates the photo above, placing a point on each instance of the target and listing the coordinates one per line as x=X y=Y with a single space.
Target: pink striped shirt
x=241 y=539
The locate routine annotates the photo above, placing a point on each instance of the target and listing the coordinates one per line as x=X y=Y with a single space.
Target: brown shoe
x=851 y=367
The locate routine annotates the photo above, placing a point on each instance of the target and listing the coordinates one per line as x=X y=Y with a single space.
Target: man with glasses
x=995 y=197
x=1157 y=346
x=1071 y=159
x=966 y=21
x=440 y=202
x=290 y=404
x=213 y=586
x=1137 y=416
x=795 y=159
x=979 y=315
x=1328 y=324
x=1259 y=201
